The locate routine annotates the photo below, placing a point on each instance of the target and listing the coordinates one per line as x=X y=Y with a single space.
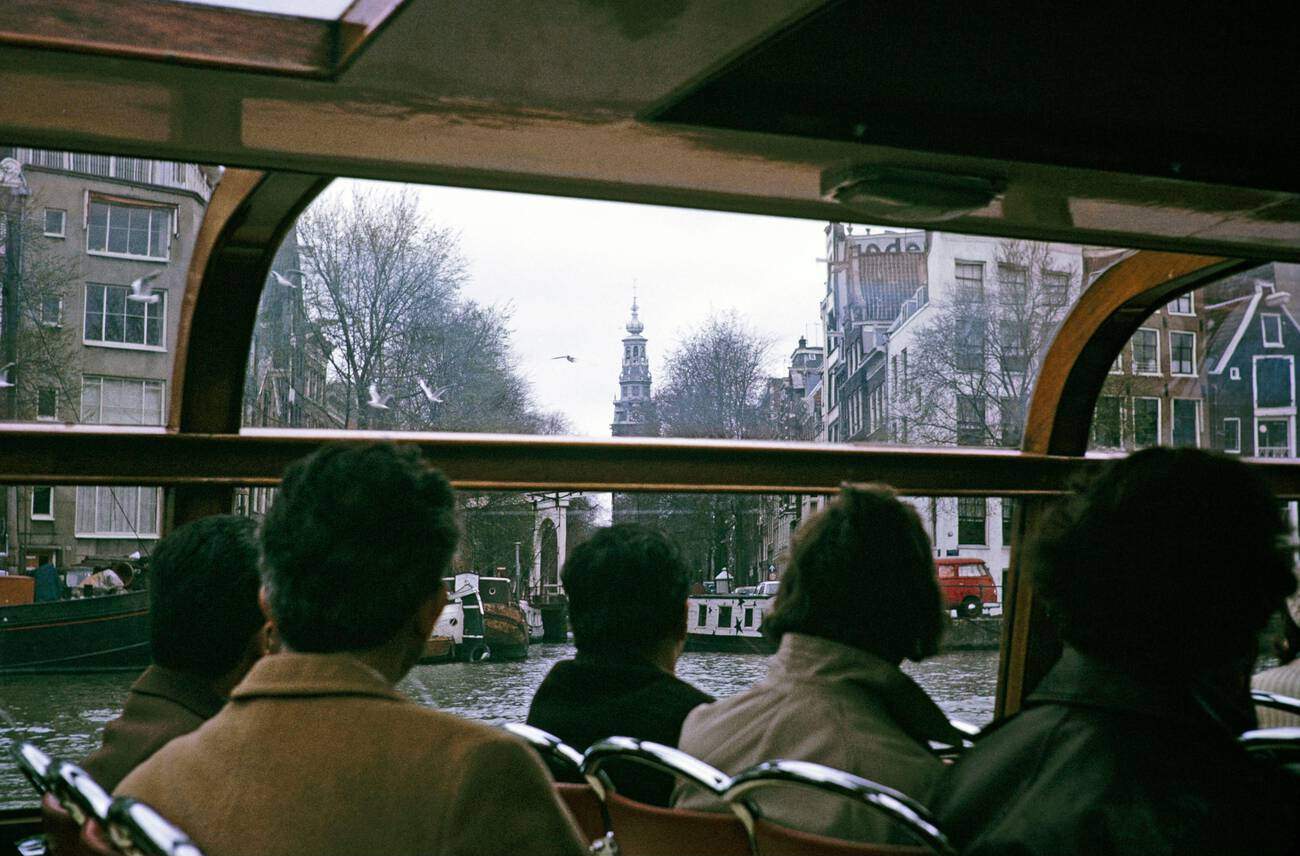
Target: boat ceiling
x=1115 y=126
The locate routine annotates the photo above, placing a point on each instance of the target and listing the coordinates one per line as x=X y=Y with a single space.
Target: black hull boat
x=93 y=634
x=555 y=619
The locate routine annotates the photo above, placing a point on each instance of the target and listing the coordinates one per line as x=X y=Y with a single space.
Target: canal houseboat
x=481 y=622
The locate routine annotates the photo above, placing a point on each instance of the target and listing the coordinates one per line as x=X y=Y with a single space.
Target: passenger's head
x=627 y=588
x=1172 y=558
x=861 y=573
x=355 y=546
x=203 y=582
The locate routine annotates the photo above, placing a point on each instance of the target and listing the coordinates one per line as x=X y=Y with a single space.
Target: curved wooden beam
x=247 y=218
x=1106 y=316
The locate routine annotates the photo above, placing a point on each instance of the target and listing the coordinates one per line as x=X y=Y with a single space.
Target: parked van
x=966 y=584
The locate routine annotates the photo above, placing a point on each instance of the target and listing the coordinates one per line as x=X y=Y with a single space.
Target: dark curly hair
x=1173 y=557
x=358 y=537
x=627 y=588
x=861 y=573
x=203 y=585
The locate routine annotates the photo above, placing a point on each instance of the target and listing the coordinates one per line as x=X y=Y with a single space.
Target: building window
x=1182 y=353
x=1014 y=357
x=42 y=503
x=1185 y=428
x=133 y=231
x=969 y=346
x=1117 y=367
x=1234 y=373
x=970 y=281
x=1272 y=325
x=117 y=512
x=970 y=420
x=702 y=615
x=749 y=616
x=1273 y=438
x=1146 y=352
x=56 y=220
x=724 y=617
x=121 y=401
x=971 y=514
x=1013 y=280
x=1273 y=382
x=1011 y=421
x=1146 y=422
x=52 y=311
x=1181 y=305
x=1008 y=510
x=47 y=404
x=113 y=319
x=1056 y=289
x=1232 y=435
x=1107 y=422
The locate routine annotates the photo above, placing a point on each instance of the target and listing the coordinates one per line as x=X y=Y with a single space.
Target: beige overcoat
x=316 y=753
x=831 y=704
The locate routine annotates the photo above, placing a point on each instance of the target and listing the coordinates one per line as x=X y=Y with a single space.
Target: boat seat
x=1281 y=745
x=771 y=838
x=646 y=830
x=64 y=837
x=564 y=762
x=135 y=829
x=585 y=806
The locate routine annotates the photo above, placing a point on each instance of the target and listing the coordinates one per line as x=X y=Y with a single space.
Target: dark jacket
x=1100 y=762
x=162 y=705
x=590 y=698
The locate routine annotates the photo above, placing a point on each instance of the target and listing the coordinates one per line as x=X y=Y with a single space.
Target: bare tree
x=973 y=364
x=382 y=288
x=714 y=381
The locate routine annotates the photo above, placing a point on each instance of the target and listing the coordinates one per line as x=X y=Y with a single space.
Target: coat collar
x=1084 y=681
x=803 y=658
x=292 y=674
x=180 y=688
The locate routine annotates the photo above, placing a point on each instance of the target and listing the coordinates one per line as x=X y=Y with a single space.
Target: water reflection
x=64 y=714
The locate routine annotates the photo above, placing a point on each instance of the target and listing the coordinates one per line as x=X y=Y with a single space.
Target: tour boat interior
x=1123 y=129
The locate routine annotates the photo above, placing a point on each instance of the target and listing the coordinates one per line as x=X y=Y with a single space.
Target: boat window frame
x=203 y=455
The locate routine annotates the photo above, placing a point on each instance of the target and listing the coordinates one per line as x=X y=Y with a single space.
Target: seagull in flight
x=142 y=291
x=284 y=280
x=5 y=383
x=434 y=395
x=568 y=357
x=379 y=402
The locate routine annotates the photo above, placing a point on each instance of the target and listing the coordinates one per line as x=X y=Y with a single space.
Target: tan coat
x=317 y=754
x=831 y=704
x=163 y=704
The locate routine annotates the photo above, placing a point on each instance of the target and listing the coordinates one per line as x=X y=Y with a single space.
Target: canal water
x=64 y=714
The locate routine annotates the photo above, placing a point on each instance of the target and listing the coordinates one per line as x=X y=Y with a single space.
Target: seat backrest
x=771 y=839
x=586 y=808
x=647 y=830
x=906 y=813
x=1281 y=745
x=137 y=830
x=65 y=837
x=564 y=762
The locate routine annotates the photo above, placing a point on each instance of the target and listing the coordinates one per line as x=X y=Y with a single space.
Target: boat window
x=405 y=307
x=79 y=343
x=1221 y=372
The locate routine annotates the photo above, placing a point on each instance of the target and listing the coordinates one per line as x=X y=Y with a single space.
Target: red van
x=966 y=584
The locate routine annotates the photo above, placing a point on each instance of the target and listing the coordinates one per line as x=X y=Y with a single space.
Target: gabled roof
x=1225 y=336
x=886 y=280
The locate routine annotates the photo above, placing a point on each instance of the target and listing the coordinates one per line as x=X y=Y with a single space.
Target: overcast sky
x=567 y=266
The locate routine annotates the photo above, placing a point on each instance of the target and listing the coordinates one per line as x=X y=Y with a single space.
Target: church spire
x=632 y=412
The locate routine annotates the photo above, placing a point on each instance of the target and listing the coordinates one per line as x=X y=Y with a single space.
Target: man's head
x=861 y=574
x=355 y=546
x=203 y=584
x=627 y=589
x=1172 y=559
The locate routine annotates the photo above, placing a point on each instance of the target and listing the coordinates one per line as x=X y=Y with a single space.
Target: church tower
x=633 y=413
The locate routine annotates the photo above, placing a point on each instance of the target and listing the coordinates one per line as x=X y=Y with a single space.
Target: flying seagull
x=376 y=401
x=568 y=357
x=284 y=280
x=142 y=291
x=434 y=395
x=5 y=383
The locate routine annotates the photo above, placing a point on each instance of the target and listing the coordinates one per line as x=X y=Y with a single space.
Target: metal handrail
x=666 y=759
x=78 y=793
x=902 y=809
x=1275 y=701
x=137 y=830
x=1263 y=739
x=34 y=764
x=548 y=745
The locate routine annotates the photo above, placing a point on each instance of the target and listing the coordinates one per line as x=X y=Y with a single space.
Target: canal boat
x=533 y=616
x=481 y=622
x=85 y=634
x=728 y=622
